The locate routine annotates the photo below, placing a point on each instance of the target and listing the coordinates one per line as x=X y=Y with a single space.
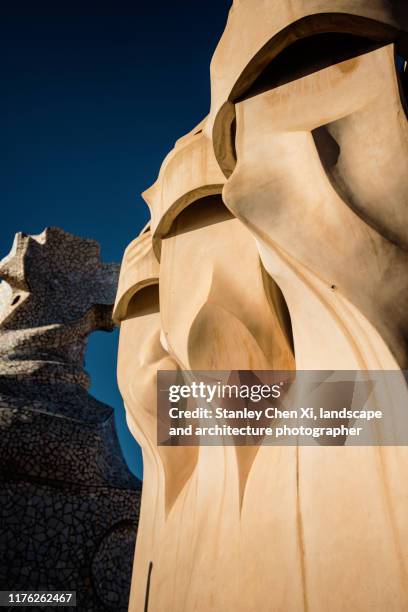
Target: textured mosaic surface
x=69 y=506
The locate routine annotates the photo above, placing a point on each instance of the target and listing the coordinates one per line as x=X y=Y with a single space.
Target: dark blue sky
x=94 y=95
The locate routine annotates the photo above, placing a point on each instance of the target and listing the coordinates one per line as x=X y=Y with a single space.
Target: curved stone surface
x=319 y=176
x=139 y=269
x=216 y=309
x=189 y=172
x=141 y=353
x=266 y=29
x=331 y=150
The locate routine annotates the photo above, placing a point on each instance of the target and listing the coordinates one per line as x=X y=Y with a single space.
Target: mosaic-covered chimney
x=56 y=292
x=68 y=503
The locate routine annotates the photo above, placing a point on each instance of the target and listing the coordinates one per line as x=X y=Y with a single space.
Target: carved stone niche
x=309 y=126
x=218 y=310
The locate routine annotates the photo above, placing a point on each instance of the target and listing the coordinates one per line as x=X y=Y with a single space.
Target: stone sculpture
x=68 y=504
x=233 y=318
x=309 y=125
x=321 y=112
